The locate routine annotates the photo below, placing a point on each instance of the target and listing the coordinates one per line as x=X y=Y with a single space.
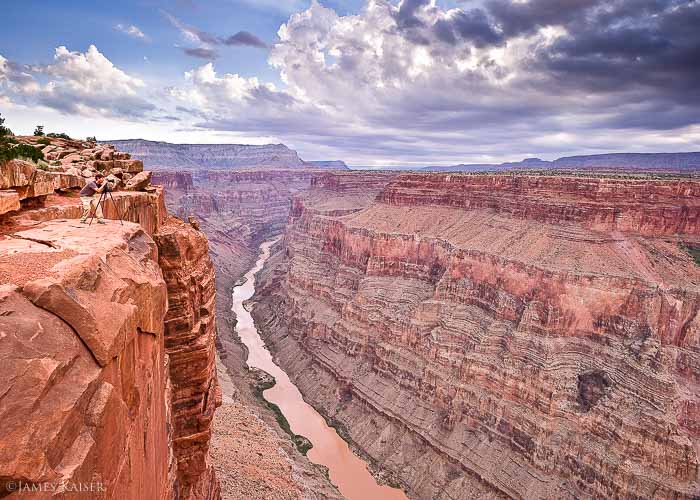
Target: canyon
x=523 y=336
x=495 y=335
x=469 y=335
x=163 y=155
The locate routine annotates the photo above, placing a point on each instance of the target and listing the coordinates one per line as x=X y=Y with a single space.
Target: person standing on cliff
x=90 y=201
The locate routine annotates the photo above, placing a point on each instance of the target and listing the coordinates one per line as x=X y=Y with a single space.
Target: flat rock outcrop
x=82 y=378
x=500 y=336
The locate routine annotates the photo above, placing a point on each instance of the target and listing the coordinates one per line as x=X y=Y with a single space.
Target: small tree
x=39 y=131
x=91 y=139
x=4 y=131
x=58 y=135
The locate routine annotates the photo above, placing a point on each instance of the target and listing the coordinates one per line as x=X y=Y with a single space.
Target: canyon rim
x=362 y=250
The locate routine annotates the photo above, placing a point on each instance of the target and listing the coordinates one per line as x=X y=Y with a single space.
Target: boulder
x=64 y=181
x=117 y=171
x=102 y=165
x=115 y=181
x=139 y=181
x=42 y=184
x=131 y=166
x=16 y=173
x=72 y=158
x=9 y=201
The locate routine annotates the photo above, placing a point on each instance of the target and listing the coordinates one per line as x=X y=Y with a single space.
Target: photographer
x=90 y=200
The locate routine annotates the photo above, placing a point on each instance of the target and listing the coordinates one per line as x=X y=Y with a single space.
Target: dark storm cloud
x=659 y=53
x=245 y=38
x=201 y=53
x=609 y=74
x=516 y=18
x=241 y=38
x=473 y=26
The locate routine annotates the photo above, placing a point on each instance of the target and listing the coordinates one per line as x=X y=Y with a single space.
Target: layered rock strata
x=90 y=394
x=238 y=211
x=500 y=336
x=190 y=335
x=163 y=155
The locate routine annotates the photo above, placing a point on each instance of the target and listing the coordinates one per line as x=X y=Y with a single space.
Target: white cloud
x=407 y=82
x=16 y=78
x=131 y=30
x=78 y=83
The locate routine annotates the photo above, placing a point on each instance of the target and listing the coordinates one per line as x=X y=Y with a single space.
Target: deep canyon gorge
x=524 y=336
x=510 y=335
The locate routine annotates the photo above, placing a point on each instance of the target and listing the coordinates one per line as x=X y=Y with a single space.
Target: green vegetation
x=91 y=139
x=302 y=443
x=10 y=149
x=4 y=131
x=39 y=131
x=21 y=151
x=59 y=135
x=44 y=141
x=693 y=251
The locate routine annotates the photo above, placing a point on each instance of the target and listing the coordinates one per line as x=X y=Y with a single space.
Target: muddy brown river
x=347 y=471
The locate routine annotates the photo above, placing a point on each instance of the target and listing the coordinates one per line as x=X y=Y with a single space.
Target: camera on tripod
x=110 y=185
x=107 y=186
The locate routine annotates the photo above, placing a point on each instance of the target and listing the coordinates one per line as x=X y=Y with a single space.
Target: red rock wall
x=650 y=207
x=477 y=350
x=190 y=334
x=90 y=393
x=82 y=376
x=145 y=209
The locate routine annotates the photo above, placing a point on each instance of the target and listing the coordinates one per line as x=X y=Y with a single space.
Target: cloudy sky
x=377 y=82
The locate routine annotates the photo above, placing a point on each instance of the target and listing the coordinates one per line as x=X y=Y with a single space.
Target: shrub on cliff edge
x=59 y=135
x=21 y=151
x=4 y=131
x=11 y=150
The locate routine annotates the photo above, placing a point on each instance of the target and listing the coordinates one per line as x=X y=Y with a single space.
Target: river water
x=347 y=471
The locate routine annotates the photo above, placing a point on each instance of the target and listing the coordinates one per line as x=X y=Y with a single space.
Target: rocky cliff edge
x=108 y=376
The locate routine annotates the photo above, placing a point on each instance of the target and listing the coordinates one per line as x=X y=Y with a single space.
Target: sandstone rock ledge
x=89 y=392
x=82 y=379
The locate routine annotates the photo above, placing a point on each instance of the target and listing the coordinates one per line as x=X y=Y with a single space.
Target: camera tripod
x=101 y=200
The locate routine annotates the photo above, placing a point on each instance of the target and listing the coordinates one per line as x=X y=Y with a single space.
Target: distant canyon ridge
x=164 y=155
